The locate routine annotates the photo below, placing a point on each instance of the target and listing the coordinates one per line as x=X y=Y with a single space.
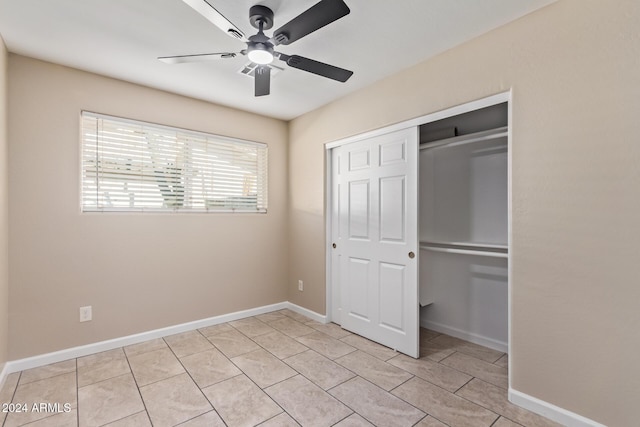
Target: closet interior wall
x=463 y=220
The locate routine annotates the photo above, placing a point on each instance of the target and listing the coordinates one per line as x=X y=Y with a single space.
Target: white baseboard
x=306 y=312
x=464 y=335
x=548 y=410
x=85 y=350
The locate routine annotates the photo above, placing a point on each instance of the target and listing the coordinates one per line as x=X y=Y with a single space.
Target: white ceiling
x=122 y=38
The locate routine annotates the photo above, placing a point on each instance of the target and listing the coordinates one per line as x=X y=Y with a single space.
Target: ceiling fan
x=260 y=47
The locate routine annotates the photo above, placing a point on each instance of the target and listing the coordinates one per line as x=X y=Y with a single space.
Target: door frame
x=428 y=118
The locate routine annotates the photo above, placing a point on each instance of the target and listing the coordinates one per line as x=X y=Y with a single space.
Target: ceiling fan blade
x=314 y=18
x=201 y=57
x=204 y=8
x=315 y=67
x=262 y=79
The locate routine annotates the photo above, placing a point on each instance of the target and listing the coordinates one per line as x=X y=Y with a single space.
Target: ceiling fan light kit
x=260 y=55
x=260 y=48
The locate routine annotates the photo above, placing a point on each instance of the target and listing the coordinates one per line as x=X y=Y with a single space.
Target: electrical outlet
x=300 y=285
x=85 y=314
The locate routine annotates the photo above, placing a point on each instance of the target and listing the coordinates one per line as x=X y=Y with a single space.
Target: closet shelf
x=466 y=248
x=486 y=135
x=465 y=244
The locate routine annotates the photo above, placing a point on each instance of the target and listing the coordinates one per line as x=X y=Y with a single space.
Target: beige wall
x=138 y=271
x=4 y=210
x=574 y=69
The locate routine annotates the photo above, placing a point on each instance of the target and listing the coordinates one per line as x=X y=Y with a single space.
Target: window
x=136 y=166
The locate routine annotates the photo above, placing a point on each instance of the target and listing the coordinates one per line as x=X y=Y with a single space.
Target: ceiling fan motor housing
x=261 y=14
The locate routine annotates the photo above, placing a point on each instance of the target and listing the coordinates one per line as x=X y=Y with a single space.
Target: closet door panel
x=357 y=292
x=392 y=292
x=379 y=283
x=392 y=209
x=359 y=159
x=393 y=152
x=359 y=209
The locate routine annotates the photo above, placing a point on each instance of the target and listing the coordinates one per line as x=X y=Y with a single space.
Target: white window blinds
x=137 y=166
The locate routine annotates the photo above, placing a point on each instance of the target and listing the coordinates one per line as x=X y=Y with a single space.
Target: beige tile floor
x=276 y=369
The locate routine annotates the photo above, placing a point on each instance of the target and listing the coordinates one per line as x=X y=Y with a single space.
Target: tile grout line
x=46 y=378
x=106 y=379
x=403 y=382
x=259 y=388
x=467 y=373
x=197 y=416
x=77 y=392
x=342 y=366
x=40 y=419
x=401 y=399
x=353 y=411
x=384 y=391
x=463 y=385
x=213 y=408
x=396 y=353
x=341 y=420
x=135 y=381
x=475 y=403
x=123 y=418
x=235 y=376
x=299 y=373
x=420 y=420
x=435 y=418
x=457 y=349
x=271 y=385
x=435 y=385
x=260 y=346
x=500 y=414
x=508 y=419
x=275 y=416
x=393 y=366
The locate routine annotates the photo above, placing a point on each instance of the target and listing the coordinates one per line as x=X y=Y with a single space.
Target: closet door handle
x=334 y=246
x=412 y=255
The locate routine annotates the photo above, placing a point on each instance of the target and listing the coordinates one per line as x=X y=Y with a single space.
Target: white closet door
x=376 y=235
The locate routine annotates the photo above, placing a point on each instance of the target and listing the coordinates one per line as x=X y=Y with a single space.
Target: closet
x=463 y=223
x=417 y=229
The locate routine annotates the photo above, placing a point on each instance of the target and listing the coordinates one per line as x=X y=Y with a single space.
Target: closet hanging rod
x=470 y=245
x=465 y=251
x=485 y=135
